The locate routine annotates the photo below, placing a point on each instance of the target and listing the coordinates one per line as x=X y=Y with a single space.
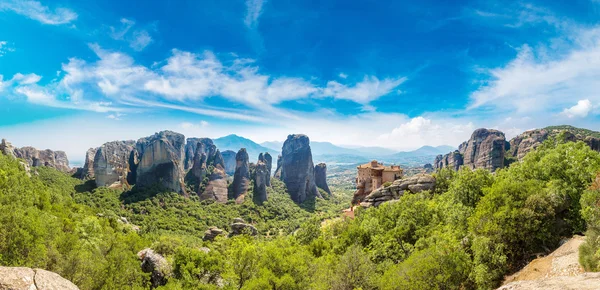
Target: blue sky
x=396 y=74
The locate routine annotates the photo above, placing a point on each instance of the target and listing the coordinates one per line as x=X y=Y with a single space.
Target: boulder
x=321 y=177
x=229 y=161
x=241 y=177
x=17 y=278
x=260 y=181
x=297 y=168
x=111 y=163
x=413 y=184
x=212 y=233
x=155 y=264
x=161 y=161
x=240 y=227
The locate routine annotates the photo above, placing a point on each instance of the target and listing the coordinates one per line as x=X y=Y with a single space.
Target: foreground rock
x=212 y=233
x=412 y=184
x=321 y=177
x=241 y=178
x=161 y=161
x=17 y=278
x=297 y=168
x=559 y=270
x=111 y=163
x=240 y=227
x=155 y=264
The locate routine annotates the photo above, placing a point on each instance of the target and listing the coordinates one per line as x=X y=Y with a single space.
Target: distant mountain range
x=331 y=153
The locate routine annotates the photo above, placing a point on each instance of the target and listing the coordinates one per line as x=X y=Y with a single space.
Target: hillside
x=577 y=131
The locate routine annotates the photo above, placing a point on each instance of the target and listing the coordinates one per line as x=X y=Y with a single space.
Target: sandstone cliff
x=321 y=177
x=297 y=168
x=36 y=158
x=413 y=184
x=229 y=161
x=161 y=161
x=111 y=163
x=529 y=140
x=485 y=149
x=260 y=181
x=269 y=163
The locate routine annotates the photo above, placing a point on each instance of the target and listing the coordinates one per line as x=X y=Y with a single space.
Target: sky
x=396 y=74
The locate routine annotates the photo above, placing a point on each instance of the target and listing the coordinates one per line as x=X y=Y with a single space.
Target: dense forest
x=475 y=228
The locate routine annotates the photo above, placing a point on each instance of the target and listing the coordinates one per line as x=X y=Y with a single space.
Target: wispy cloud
x=369 y=89
x=253 y=11
x=138 y=39
x=36 y=11
x=4 y=48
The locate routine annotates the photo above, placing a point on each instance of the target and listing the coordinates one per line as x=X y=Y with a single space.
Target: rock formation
x=526 y=142
x=428 y=168
x=192 y=146
x=229 y=161
x=240 y=227
x=36 y=158
x=161 y=161
x=321 y=177
x=297 y=168
x=413 y=184
x=241 y=177
x=155 y=264
x=278 y=169
x=261 y=174
x=269 y=163
x=18 y=278
x=452 y=160
x=212 y=233
x=7 y=149
x=111 y=163
x=87 y=172
x=216 y=189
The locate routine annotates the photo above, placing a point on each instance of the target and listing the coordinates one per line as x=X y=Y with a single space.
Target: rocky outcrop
x=412 y=184
x=37 y=158
x=111 y=163
x=526 y=142
x=321 y=177
x=87 y=172
x=17 y=278
x=216 y=189
x=161 y=161
x=241 y=177
x=452 y=160
x=212 y=233
x=428 y=168
x=192 y=146
x=278 y=169
x=240 y=227
x=269 y=163
x=485 y=149
x=297 y=168
x=155 y=264
x=206 y=156
x=229 y=161
x=260 y=181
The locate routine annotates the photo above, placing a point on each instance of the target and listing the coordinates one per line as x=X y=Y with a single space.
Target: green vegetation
x=475 y=228
x=574 y=130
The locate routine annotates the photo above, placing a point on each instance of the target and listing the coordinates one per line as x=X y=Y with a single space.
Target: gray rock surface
x=526 y=142
x=37 y=158
x=321 y=177
x=277 y=173
x=212 y=233
x=485 y=149
x=412 y=184
x=216 y=189
x=240 y=227
x=269 y=163
x=111 y=163
x=297 y=168
x=155 y=264
x=241 y=177
x=452 y=160
x=192 y=146
x=20 y=278
x=229 y=161
x=161 y=159
x=7 y=149
x=260 y=181
x=87 y=172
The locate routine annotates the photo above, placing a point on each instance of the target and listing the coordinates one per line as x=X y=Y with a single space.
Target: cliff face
x=111 y=163
x=297 y=168
x=452 y=160
x=260 y=182
x=485 y=149
x=229 y=161
x=192 y=146
x=526 y=142
x=161 y=161
x=321 y=177
x=36 y=158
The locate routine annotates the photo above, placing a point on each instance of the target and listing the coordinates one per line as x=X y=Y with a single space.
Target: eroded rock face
x=452 y=160
x=526 y=142
x=412 y=184
x=269 y=163
x=278 y=169
x=87 y=172
x=36 y=158
x=240 y=227
x=161 y=161
x=297 y=168
x=111 y=163
x=7 y=149
x=17 y=278
x=157 y=265
x=260 y=181
x=321 y=177
x=216 y=189
x=192 y=146
x=212 y=233
x=241 y=178
x=229 y=161
x=485 y=149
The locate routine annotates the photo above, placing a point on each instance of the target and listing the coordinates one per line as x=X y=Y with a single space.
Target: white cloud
x=371 y=88
x=343 y=75
x=26 y=79
x=140 y=40
x=420 y=131
x=36 y=11
x=119 y=33
x=4 y=48
x=253 y=11
x=581 y=110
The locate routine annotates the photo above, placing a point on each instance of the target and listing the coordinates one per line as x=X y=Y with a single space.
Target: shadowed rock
x=321 y=177
x=278 y=169
x=260 y=182
x=241 y=177
x=297 y=168
x=192 y=146
x=212 y=233
x=161 y=161
x=452 y=160
x=229 y=161
x=269 y=163
x=155 y=264
x=240 y=227
x=37 y=158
